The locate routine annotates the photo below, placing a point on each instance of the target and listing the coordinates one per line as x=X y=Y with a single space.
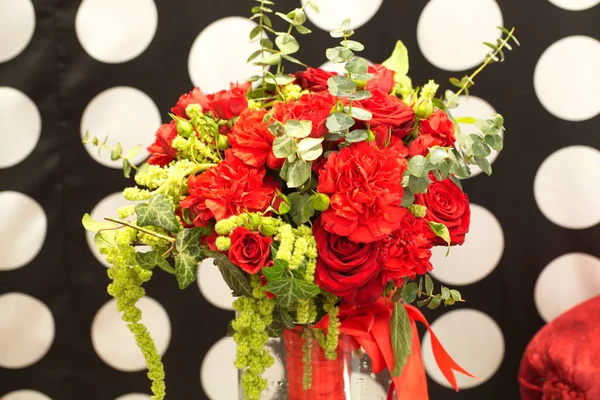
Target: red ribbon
x=369 y=328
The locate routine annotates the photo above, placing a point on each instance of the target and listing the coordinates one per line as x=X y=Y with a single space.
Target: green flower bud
x=418 y=210
x=370 y=135
x=222 y=142
x=268 y=227
x=424 y=105
x=184 y=127
x=253 y=221
x=223 y=243
x=320 y=202
x=285 y=205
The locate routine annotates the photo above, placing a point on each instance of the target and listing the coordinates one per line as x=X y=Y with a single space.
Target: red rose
x=408 y=249
x=383 y=78
x=347 y=269
x=225 y=104
x=314 y=79
x=249 y=250
x=449 y=205
x=161 y=151
x=251 y=140
x=364 y=184
x=314 y=107
x=227 y=189
x=437 y=130
x=390 y=111
x=385 y=137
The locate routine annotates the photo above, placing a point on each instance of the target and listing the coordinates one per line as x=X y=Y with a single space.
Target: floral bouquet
x=319 y=196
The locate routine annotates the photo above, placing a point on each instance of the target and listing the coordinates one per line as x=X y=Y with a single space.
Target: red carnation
x=251 y=140
x=383 y=78
x=408 y=249
x=366 y=191
x=161 y=151
x=314 y=107
x=227 y=189
x=249 y=250
x=449 y=205
x=314 y=79
x=348 y=269
x=225 y=104
x=437 y=130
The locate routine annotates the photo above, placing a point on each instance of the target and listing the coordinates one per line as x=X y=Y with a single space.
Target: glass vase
x=348 y=377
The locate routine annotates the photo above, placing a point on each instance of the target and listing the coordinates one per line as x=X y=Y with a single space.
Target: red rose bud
x=250 y=250
x=284 y=204
x=320 y=202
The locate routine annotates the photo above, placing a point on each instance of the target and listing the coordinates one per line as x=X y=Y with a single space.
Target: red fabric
x=562 y=361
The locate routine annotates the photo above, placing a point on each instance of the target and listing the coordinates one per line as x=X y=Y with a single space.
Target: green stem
x=104 y=146
x=139 y=228
x=433 y=295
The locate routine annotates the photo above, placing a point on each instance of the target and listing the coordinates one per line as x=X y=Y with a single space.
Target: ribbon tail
x=445 y=362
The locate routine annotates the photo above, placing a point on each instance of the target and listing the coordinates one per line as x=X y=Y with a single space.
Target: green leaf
x=401 y=333
x=294 y=60
x=158 y=211
x=115 y=154
x=353 y=45
x=266 y=43
x=314 y=6
x=409 y=292
x=362 y=77
x=418 y=185
x=288 y=290
x=345 y=24
x=188 y=241
x=445 y=293
x=407 y=199
x=337 y=33
x=465 y=120
x=339 y=54
x=495 y=142
x=455 y=82
x=271 y=59
x=339 y=122
x=435 y=302
x=298 y=172
x=298 y=129
x=277 y=270
x=236 y=279
x=287 y=44
x=133 y=152
x=455 y=294
x=310 y=149
x=428 y=284
x=437 y=155
x=105 y=239
x=422 y=303
x=357 y=65
x=361 y=95
x=255 y=32
x=476 y=146
x=302 y=29
x=440 y=230
x=186 y=266
x=152 y=259
x=341 y=86
x=284 y=146
x=359 y=113
x=280 y=79
x=484 y=164
x=92 y=225
x=302 y=207
x=450 y=99
x=418 y=166
x=284 y=17
x=357 y=135
x=398 y=61
x=334 y=136
x=127 y=168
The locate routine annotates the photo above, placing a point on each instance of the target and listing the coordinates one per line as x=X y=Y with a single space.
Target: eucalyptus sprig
x=496 y=55
x=411 y=291
x=116 y=152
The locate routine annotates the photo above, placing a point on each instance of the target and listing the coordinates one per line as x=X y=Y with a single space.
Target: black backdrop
x=61 y=79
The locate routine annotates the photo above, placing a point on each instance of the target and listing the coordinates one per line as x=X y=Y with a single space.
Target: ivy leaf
x=339 y=121
x=152 y=259
x=287 y=44
x=298 y=129
x=401 y=332
x=188 y=241
x=281 y=319
x=158 y=211
x=359 y=113
x=90 y=224
x=186 y=266
x=284 y=146
x=409 y=292
x=298 y=172
x=289 y=290
x=357 y=135
x=234 y=277
x=428 y=284
x=277 y=270
x=398 y=61
x=440 y=230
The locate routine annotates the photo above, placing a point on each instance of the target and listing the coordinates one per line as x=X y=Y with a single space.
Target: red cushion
x=562 y=361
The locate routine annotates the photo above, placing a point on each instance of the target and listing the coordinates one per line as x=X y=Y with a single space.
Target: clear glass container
x=348 y=377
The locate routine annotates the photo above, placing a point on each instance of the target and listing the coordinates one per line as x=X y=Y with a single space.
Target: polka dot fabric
x=114 y=67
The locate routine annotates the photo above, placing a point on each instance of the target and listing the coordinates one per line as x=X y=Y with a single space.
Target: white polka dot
x=451 y=33
x=220 y=378
x=473 y=340
x=26 y=329
x=17 y=19
x=134 y=396
x=107 y=207
x=567 y=187
x=575 y=5
x=21 y=126
x=23 y=230
x=364 y=386
x=213 y=287
x=475 y=107
x=566 y=282
x=25 y=395
x=213 y=73
x=113 y=341
x=475 y=259
x=566 y=78
x=333 y=12
x=115 y=31
x=126 y=115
